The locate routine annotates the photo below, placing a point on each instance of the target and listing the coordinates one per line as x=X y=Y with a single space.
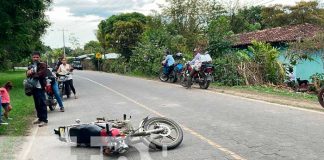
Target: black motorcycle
x=116 y=136
x=63 y=87
x=171 y=73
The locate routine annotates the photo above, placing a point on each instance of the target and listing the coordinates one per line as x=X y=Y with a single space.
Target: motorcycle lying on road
x=116 y=136
x=203 y=77
x=170 y=73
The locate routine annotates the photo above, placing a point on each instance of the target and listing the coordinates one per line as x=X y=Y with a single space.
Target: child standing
x=5 y=101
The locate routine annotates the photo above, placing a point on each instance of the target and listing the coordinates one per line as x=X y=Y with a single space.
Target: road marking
x=194 y=133
x=226 y=94
x=30 y=144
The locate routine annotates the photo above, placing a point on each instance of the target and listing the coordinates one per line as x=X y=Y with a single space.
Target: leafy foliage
x=22 y=25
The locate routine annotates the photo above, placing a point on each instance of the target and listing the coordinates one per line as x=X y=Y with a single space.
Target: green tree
x=218 y=37
x=302 y=12
x=92 y=47
x=247 y=19
x=22 y=25
x=121 y=32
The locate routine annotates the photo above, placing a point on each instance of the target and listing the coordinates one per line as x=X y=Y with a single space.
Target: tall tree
x=22 y=25
x=302 y=12
x=121 y=32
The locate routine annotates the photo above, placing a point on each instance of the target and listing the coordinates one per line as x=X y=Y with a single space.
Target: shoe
x=62 y=109
x=37 y=122
x=8 y=118
x=42 y=124
x=3 y=123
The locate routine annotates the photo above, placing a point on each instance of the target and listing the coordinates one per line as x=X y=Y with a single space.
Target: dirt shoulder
x=300 y=103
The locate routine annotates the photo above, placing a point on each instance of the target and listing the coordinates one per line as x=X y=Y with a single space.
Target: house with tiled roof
x=279 y=37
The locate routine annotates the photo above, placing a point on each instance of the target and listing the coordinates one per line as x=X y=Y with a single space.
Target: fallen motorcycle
x=115 y=136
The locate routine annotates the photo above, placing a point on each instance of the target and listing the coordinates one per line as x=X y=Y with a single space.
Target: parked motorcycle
x=63 y=88
x=166 y=74
x=203 y=77
x=51 y=102
x=320 y=97
x=115 y=136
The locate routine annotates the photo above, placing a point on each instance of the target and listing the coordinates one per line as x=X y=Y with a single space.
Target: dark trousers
x=40 y=105
x=69 y=85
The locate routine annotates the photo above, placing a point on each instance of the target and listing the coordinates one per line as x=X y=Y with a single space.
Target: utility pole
x=63 y=43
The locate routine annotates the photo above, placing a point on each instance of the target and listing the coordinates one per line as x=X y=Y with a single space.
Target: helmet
x=178 y=54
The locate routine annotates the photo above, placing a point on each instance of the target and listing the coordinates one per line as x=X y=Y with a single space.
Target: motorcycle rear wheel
x=320 y=97
x=204 y=84
x=169 y=139
x=173 y=77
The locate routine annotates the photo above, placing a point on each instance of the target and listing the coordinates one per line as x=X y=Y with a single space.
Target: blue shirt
x=169 y=60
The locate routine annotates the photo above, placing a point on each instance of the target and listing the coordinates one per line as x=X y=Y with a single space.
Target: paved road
x=216 y=126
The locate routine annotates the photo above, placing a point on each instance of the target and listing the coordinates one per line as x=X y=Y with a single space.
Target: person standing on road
x=66 y=69
x=37 y=71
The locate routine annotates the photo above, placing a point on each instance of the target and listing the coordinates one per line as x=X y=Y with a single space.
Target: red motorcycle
x=51 y=102
x=203 y=77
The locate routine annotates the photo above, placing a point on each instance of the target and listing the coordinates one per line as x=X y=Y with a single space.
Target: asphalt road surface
x=216 y=126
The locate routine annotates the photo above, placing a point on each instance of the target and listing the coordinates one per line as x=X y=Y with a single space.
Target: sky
x=80 y=18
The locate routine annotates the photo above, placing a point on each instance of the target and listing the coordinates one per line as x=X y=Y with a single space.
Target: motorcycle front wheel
x=320 y=96
x=163 y=77
x=170 y=138
x=183 y=80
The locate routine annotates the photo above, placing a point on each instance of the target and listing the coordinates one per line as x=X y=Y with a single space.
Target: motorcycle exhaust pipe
x=146 y=133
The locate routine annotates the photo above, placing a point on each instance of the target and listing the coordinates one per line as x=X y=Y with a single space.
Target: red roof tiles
x=278 y=34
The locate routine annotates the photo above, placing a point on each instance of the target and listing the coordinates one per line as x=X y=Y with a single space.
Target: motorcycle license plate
x=209 y=78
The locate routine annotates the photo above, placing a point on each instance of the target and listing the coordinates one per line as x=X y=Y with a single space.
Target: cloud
x=105 y=8
x=81 y=18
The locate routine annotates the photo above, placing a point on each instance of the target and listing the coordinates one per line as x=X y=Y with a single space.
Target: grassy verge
x=23 y=109
x=272 y=91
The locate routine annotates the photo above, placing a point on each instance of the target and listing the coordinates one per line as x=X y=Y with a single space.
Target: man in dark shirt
x=38 y=72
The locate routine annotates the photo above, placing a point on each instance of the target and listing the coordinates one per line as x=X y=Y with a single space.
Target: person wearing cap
x=195 y=64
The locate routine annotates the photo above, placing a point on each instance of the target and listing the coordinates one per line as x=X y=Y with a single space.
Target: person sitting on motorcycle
x=195 y=64
x=168 y=62
x=200 y=59
x=50 y=75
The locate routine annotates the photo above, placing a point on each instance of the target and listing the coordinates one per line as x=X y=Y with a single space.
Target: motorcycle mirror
x=78 y=121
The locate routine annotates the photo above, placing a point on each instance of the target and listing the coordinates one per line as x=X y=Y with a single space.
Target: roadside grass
x=22 y=105
x=259 y=89
x=22 y=111
x=263 y=89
